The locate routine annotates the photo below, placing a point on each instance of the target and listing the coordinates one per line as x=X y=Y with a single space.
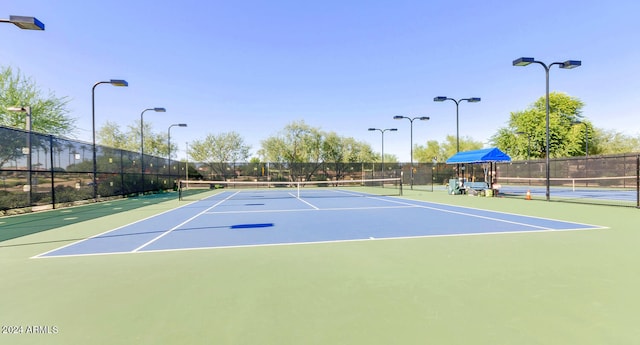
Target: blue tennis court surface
x=581 y=193
x=228 y=220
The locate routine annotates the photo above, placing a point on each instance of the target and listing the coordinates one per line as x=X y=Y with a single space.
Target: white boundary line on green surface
x=485 y=210
x=181 y=224
x=108 y=231
x=114 y=229
x=406 y=203
x=321 y=242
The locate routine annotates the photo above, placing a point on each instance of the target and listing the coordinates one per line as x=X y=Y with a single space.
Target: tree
x=340 y=152
x=11 y=142
x=297 y=147
x=155 y=144
x=390 y=158
x=216 y=151
x=334 y=152
x=442 y=151
x=429 y=153
x=612 y=142
x=110 y=135
x=301 y=150
x=48 y=113
x=525 y=135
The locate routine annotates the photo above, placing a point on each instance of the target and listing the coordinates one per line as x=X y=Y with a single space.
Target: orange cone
x=528 y=196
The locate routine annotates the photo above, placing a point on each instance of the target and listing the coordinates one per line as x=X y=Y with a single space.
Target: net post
x=401 y=178
x=179 y=190
x=637 y=181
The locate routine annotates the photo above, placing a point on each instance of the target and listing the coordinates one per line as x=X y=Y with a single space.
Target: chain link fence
x=40 y=171
x=44 y=171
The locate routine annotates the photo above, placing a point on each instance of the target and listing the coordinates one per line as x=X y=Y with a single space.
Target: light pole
x=457 y=102
x=382 y=132
x=569 y=64
x=114 y=82
x=421 y=118
x=159 y=110
x=27 y=111
x=169 y=141
x=25 y=23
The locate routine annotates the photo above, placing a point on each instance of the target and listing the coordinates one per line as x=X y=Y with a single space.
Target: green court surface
x=557 y=287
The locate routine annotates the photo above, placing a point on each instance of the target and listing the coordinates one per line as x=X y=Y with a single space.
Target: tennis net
x=613 y=190
x=195 y=190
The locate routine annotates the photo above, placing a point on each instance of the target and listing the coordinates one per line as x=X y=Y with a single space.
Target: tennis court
x=250 y=216
x=323 y=265
x=621 y=190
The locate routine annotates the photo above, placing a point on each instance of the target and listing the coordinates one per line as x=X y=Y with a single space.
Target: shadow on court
x=107 y=235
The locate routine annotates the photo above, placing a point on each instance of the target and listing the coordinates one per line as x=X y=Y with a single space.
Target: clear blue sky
x=255 y=66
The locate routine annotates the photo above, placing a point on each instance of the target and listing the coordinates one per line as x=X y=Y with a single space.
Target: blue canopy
x=479 y=156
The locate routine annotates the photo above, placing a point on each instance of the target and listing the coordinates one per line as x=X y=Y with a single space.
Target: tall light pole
x=569 y=64
x=114 y=82
x=382 y=132
x=159 y=110
x=421 y=118
x=25 y=23
x=169 y=141
x=457 y=102
x=27 y=111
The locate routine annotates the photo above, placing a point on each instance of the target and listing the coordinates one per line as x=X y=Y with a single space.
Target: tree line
x=524 y=137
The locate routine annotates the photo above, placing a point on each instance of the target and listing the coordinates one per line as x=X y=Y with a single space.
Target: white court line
x=490 y=211
x=308 y=203
x=111 y=230
x=318 y=242
x=316 y=209
x=390 y=200
x=472 y=215
x=183 y=223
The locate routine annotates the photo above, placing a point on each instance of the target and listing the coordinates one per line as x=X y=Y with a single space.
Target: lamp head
x=398 y=117
x=440 y=99
x=182 y=125
x=393 y=129
x=26 y=23
x=118 y=82
x=569 y=64
x=373 y=129
x=17 y=109
x=159 y=110
x=523 y=61
x=423 y=118
x=474 y=100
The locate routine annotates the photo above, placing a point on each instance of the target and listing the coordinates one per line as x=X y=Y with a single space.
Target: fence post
x=122 y=190
x=53 y=176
